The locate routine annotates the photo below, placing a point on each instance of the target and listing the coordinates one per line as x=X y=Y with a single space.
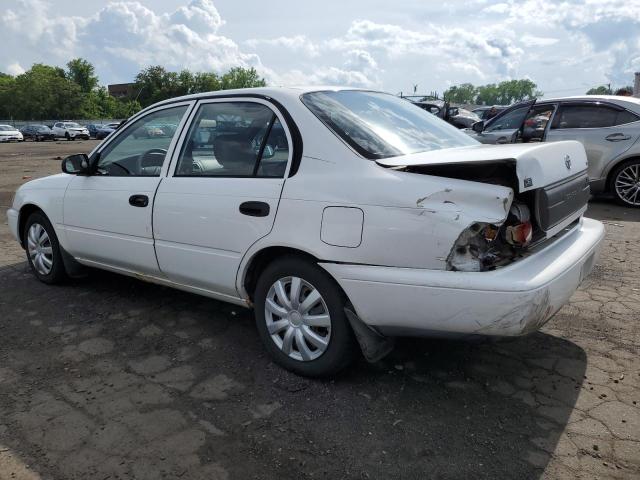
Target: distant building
x=121 y=90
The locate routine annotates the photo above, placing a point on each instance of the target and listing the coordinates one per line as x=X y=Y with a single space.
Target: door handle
x=254 y=209
x=138 y=200
x=617 y=137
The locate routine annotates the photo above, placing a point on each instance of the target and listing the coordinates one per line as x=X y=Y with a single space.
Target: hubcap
x=40 y=249
x=628 y=185
x=297 y=318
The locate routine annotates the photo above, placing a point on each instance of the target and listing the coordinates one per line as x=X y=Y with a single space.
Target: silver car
x=608 y=127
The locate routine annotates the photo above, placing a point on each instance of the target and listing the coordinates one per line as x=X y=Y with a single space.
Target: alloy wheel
x=297 y=318
x=627 y=184
x=40 y=249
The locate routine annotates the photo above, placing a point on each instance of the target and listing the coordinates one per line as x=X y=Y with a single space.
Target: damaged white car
x=340 y=216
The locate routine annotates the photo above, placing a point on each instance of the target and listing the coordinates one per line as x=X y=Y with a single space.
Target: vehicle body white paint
x=395 y=272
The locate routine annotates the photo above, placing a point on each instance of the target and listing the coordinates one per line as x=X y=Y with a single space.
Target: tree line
x=503 y=93
x=46 y=92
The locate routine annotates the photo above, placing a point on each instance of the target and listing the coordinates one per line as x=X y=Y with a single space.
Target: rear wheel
x=67 y=136
x=43 y=249
x=301 y=320
x=625 y=183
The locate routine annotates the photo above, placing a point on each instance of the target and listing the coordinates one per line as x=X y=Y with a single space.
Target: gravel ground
x=108 y=377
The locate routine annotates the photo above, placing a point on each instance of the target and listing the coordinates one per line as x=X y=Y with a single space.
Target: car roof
x=609 y=98
x=276 y=92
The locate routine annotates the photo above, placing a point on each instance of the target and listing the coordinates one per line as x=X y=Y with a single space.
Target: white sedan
x=10 y=134
x=341 y=216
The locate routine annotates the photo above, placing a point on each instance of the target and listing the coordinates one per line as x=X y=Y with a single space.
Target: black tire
x=57 y=273
x=612 y=185
x=67 y=136
x=342 y=346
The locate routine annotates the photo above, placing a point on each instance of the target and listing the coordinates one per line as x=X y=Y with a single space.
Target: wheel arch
x=25 y=211
x=259 y=261
x=614 y=166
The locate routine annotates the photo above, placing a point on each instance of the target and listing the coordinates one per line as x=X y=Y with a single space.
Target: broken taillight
x=485 y=246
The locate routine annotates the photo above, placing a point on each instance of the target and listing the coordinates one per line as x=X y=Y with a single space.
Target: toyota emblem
x=567 y=162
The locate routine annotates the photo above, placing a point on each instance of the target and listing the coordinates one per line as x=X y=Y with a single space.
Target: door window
x=140 y=150
x=234 y=139
x=535 y=124
x=591 y=116
x=509 y=121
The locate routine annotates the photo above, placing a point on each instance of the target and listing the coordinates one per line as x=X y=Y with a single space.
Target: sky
x=565 y=47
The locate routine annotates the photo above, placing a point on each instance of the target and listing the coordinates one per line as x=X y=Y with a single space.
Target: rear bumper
x=514 y=300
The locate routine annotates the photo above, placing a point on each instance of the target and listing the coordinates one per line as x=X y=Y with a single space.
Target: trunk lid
x=537 y=165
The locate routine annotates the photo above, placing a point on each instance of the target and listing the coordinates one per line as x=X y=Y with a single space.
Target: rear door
x=222 y=194
x=606 y=130
x=505 y=127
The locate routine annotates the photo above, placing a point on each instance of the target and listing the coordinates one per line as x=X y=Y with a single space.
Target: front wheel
x=625 y=183
x=300 y=317
x=43 y=249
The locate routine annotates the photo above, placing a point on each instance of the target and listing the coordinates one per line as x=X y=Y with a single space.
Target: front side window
x=141 y=148
x=591 y=116
x=234 y=139
x=509 y=121
x=379 y=125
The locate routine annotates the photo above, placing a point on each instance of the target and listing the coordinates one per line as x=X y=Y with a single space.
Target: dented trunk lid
x=537 y=164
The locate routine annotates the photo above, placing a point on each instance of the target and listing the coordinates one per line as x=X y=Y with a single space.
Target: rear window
x=379 y=125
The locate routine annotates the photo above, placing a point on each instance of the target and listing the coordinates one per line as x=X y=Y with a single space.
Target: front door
x=223 y=194
x=506 y=126
x=108 y=215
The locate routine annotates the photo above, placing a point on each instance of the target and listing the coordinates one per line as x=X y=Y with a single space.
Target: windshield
x=72 y=125
x=6 y=128
x=379 y=125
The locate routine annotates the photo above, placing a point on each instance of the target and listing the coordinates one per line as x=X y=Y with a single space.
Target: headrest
x=235 y=154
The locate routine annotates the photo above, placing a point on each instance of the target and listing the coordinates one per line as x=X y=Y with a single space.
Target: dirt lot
x=108 y=377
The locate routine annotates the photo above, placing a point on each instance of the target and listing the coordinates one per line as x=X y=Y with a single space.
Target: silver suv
x=607 y=126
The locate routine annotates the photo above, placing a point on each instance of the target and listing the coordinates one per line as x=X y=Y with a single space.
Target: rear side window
x=234 y=139
x=591 y=116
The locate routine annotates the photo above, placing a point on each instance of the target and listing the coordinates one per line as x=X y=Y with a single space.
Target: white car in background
x=336 y=214
x=10 y=134
x=70 y=130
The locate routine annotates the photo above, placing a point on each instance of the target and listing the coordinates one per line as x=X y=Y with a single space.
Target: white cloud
x=127 y=36
x=14 y=69
x=560 y=45
x=296 y=43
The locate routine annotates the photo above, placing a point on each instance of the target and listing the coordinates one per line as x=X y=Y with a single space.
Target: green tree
x=155 y=83
x=45 y=92
x=83 y=74
x=464 y=93
x=507 y=92
x=239 y=77
x=601 y=90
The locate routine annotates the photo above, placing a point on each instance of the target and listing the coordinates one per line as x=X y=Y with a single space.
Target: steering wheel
x=143 y=155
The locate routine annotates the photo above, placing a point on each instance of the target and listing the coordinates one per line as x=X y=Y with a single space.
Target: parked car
x=488 y=112
x=10 y=134
x=93 y=129
x=607 y=126
x=105 y=130
x=37 y=133
x=70 y=130
x=457 y=116
x=338 y=215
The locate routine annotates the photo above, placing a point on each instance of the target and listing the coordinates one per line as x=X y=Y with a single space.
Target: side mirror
x=77 y=164
x=478 y=127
